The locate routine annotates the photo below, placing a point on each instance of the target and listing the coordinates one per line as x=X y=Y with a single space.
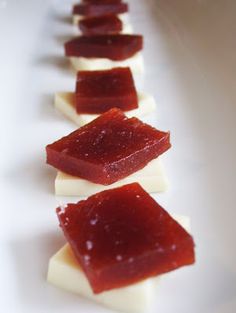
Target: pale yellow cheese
x=135 y=63
x=152 y=178
x=127 y=29
x=65 y=103
x=65 y=272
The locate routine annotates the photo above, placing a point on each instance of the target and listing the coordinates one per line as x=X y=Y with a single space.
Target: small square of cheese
x=64 y=102
x=152 y=178
x=135 y=63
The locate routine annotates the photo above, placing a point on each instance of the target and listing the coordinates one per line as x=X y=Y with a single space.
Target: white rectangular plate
x=190 y=69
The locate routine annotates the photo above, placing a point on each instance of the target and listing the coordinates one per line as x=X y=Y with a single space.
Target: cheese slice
x=135 y=63
x=152 y=178
x=127 y=29
x=65 y=272
x=124 y=17
x=64 y=102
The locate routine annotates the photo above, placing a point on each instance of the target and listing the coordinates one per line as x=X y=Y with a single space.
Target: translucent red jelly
x=122 y=236
x=115 y=47
x=108 y=149
x=99 y=91
x=106 y=24
x=97 y=9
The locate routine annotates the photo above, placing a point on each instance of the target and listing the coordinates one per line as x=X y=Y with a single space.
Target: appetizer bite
x=120 y=241
x=110 y=150
x=106 y=24
x=92 y=9
x=101 y=52
x=98 y=91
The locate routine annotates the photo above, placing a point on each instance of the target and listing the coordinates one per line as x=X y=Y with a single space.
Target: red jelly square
x=106 y=24
x=123 y=236
x=98 y=9
x=114 y=47
x=108 y=149
x=99 y=91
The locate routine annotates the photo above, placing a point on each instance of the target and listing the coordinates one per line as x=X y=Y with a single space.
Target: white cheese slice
x=152 y=178
x=127 y=29
x=64 y=102
x=123 y=17
x=65 y=272
x=135 y=63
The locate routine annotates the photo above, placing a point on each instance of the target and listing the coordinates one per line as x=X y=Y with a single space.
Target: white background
x=191 y=70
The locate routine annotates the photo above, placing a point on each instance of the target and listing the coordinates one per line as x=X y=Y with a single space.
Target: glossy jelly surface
x=108 y=149
x=114 y=47
x=98 y=9
x=106 y=24
x=122 y=236
x=99 y=91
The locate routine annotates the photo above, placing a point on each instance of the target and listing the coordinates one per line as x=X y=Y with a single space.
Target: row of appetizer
x=120 y=240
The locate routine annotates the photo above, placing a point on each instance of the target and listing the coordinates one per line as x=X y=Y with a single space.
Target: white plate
x=191 y=71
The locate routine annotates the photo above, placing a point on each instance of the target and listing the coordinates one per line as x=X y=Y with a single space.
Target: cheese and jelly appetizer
x=112 y=150
x=106 y=24
x=120 y=241
x=92 y=9
x=99 y=52
x=98 y=91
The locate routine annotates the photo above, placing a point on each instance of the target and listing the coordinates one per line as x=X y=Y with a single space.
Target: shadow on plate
x=30 y=263
x=57 y=62
x=62 y=39
x=47 y=110
x=64 y=19
x=34 y=175
x=31 y=256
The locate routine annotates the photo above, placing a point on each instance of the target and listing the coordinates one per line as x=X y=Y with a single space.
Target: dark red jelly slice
x=106 y=24
x=99 y=91
x=108 y=149
x=98 y=9
x=115 y=47
x=122 y=236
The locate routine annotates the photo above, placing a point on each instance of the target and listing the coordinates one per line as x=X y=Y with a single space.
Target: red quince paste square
x=122 y=236
x=99 y=91
x=100 y=25
x=115 y=47
x=108 y=149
